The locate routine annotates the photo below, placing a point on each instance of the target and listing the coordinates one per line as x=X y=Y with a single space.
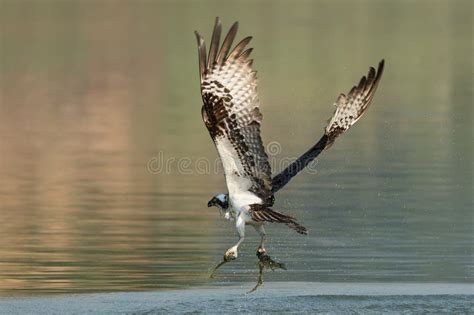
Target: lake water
x=106 y=167
x=278 y=297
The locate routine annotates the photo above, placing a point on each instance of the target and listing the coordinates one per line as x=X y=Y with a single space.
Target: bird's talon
x=265 y=262
x=268 y=262
x=229 y=256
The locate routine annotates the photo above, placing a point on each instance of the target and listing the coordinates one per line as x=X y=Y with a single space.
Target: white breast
x=241 y=202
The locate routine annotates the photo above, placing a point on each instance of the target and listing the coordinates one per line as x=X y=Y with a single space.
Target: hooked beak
x=215 y=202
x=211 y=202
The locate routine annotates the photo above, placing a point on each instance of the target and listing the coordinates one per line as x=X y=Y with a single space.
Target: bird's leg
x=265 y=261
x=260 y=229
x=231 y=253
x=262 y=252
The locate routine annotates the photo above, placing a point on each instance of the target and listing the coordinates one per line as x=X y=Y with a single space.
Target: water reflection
x=91 y=92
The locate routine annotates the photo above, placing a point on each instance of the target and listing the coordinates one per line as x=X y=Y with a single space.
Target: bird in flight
x=232 y=116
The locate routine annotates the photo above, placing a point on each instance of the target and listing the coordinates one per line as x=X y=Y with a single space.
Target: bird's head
x=220 y=201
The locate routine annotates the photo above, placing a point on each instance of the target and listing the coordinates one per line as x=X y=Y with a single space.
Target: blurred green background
x=91 y=92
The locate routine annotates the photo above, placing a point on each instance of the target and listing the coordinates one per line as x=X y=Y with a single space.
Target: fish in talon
x=268 y=262
x=265 y=262
x=260 y=278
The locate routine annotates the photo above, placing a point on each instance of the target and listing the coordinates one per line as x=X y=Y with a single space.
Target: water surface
x=279 y=297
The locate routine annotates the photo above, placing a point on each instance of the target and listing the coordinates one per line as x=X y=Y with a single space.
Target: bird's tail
x=288 y=220
x=260 y=213
x=297 y=227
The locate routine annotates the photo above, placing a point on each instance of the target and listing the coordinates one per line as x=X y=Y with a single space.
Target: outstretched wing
x=231 y=113
x=349 y=109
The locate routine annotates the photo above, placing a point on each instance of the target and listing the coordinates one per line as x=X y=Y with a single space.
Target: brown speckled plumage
x=231 y=108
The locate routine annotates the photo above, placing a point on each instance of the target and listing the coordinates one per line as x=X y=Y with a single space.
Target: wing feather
x=239 y=47
x=227 y=43
x=349 y=109
x=202 y=55
x=216 y=36
x=231 y=113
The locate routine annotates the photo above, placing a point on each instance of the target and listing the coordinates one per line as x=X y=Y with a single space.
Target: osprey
x=231 y=114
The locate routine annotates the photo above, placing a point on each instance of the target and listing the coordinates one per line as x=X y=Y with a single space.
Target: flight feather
x=349 y=109
x=231 y=112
